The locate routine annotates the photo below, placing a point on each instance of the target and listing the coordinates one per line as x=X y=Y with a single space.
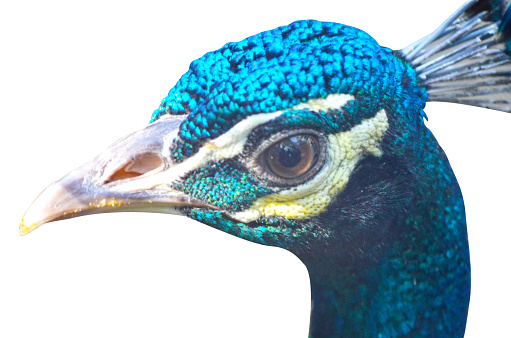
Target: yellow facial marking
x=345 y=150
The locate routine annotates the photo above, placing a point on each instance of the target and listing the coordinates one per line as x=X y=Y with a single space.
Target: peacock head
x=272 y=139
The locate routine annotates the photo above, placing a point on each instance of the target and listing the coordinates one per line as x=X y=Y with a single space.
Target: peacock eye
x=293 y=157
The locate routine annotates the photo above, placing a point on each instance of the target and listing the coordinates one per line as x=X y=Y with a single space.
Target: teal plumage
x=388 y=255
x=313 y=59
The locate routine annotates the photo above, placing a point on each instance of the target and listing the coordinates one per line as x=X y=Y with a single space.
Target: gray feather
x=466 y=60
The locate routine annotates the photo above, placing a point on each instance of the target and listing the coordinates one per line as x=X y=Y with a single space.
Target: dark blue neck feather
x=398 y=263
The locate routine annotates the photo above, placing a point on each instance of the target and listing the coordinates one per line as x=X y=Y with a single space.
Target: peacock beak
x=134 y=174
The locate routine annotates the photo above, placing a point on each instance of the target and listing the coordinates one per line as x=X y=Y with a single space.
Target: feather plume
x=468 y=58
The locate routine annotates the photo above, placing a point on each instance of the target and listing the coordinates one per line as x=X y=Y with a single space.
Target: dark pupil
x=289 y=154
x=292 y=157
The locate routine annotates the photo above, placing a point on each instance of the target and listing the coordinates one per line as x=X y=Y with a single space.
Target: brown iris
x=293 y=156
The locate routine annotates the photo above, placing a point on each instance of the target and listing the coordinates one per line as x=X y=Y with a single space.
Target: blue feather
x=505 y=27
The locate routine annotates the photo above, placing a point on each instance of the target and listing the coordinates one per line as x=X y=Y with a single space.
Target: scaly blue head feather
x=278 y=69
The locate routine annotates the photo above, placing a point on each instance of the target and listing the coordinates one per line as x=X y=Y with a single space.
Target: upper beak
x=133 y=174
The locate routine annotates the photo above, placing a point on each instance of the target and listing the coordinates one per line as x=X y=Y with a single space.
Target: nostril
x=138 y=166
x=144 y=163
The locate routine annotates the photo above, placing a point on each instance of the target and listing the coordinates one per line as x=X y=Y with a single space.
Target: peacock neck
x=398 y=264
x=340 y=303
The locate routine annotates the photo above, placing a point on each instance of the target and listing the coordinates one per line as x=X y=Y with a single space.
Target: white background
x=75 y=77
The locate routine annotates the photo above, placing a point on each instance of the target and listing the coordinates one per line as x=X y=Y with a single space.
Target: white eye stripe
x=231 y=143
x=227 y=145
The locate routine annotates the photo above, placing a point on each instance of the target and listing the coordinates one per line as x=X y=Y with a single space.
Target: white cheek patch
x=345 y=150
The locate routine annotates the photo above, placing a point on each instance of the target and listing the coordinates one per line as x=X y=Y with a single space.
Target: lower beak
x=134 y=174
x=64 y=199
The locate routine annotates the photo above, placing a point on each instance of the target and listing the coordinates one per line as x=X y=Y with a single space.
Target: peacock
x=311 y=137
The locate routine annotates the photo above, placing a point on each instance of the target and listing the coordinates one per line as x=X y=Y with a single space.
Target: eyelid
x=255 y=160
x=273 y=139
